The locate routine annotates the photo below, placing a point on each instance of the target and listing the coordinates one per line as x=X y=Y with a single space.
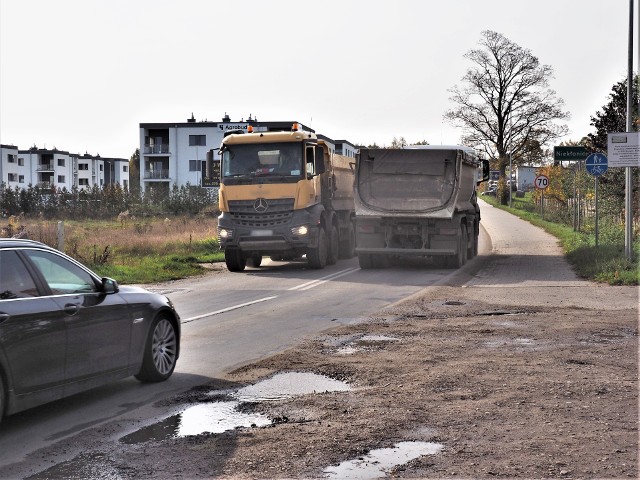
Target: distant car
x=490 y=191
x=63 y=329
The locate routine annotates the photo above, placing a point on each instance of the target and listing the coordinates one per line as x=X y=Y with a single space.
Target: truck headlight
x=225 y=233
x=300 y=231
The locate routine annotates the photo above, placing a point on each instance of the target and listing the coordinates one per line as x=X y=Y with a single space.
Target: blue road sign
x=596 y=164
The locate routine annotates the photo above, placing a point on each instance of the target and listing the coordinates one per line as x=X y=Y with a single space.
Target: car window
x=62 y=276
x=15 y=281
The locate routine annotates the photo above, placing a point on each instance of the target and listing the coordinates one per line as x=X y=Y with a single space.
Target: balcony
x=162 y=148
x=156 y=175
x=45 y=167
x=44 y=185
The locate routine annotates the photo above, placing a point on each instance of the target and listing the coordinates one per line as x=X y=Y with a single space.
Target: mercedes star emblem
x=260 y=205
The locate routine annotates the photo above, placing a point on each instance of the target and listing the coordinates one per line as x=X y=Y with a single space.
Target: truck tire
x=235 y=260
x=365 y=260
x=333 y=247
x=458 y=260
x=348 y=244
x=473 y=249
x=254 y=261
x=317 y=256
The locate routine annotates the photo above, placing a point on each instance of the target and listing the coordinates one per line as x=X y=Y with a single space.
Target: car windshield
x=254 y=163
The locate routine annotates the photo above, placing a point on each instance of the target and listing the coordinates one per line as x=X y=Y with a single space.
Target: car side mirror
x=486 y=172
x=109 y=286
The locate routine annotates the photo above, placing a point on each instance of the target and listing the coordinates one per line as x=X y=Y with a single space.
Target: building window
x=101 y=167
x=125 y=168
x=12 y=177
x=11 y=158
x=83 y=166
x=83 y=182
x=125 y=184
x=61 y=162
x=193 y=165
x=61 y=178
x=197 y=140
x=21 y=161
x=21 y=178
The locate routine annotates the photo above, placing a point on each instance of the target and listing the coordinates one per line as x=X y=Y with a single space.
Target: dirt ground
x=508 y=391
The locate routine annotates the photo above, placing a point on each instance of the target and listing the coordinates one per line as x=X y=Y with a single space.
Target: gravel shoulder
x=514 y=367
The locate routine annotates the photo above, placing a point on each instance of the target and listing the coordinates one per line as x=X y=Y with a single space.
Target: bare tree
x=506 y=106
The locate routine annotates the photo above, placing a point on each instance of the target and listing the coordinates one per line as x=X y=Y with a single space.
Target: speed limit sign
x=541 y=182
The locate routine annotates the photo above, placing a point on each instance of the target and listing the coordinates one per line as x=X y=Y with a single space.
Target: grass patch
x=605 y=263
x=138 y=251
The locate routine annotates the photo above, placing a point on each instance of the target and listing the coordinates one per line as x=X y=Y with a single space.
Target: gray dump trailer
x=418 y=201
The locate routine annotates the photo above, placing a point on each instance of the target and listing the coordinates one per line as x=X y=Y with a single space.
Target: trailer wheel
x=334 y=246
x=365 y=260
x=317 y=257
x=348 y=244
x=235 y=260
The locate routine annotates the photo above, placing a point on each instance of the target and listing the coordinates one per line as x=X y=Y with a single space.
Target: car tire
x=348 y=244
x=3 y=396
x=160 y=351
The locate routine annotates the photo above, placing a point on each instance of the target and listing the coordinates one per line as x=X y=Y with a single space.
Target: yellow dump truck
x=418 y=201
x=284 y=195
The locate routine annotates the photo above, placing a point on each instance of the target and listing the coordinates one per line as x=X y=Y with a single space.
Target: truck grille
x=279 y=212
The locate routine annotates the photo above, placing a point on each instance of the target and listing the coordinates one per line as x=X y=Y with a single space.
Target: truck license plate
x=261 y=233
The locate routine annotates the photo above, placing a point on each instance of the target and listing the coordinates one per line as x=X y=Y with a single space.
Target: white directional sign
x=541 y=182
x=623 y=149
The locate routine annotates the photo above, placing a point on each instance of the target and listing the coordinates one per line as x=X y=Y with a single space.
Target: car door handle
x=4 y=316
x=71 y=309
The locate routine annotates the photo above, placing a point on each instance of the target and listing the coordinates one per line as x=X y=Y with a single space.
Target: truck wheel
x=334 y=246
x=254 y=261
x=458 y=260
x=235 y=260
x=365 y=261
x=317 y=257
x=348 y=244
x=473 y=250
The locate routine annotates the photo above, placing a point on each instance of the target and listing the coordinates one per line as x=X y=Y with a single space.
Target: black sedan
x=64 y=330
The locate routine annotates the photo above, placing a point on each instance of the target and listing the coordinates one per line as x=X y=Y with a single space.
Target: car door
x=32 y=331
x=98 y=325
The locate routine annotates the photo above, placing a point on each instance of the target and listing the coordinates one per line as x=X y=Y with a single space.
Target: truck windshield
x=258 y=163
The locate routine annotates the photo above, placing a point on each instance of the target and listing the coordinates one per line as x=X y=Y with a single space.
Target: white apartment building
x=59 y=169
x=176 y=153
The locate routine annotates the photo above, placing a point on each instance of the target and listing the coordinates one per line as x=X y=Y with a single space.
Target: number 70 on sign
x=541 y=182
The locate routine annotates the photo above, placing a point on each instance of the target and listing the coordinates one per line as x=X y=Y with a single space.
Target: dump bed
x=343 y=174
x=416 y=180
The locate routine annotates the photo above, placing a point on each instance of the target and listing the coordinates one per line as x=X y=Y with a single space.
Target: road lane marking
x=228 y=309
x=320 y=281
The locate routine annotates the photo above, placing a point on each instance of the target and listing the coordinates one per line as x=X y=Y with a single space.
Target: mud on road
x=503 y=391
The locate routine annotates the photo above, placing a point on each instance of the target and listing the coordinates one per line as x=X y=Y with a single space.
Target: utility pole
x=628 y=230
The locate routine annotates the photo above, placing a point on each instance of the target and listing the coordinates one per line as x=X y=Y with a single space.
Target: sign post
x=623 y=150
x=596 y=165
x=541 y=183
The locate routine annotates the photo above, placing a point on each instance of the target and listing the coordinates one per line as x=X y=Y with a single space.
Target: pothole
x=364 y=343
x=220 y=416
x=377 y=463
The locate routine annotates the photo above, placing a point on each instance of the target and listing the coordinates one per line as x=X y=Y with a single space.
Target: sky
x=82 y=75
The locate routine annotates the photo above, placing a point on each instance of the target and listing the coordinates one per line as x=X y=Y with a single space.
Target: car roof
x=20 y=242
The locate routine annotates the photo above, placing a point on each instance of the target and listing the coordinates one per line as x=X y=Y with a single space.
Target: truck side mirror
x=319 y=160
x=486 y=172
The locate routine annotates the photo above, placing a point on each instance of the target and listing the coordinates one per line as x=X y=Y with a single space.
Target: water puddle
x=508 y=342
x=216 y=417
x=289 y=384
x=378 y=462
x=222 y=416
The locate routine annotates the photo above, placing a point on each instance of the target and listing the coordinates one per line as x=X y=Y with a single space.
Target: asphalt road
x=229 y=319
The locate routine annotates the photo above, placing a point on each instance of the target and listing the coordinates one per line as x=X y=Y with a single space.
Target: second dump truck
x=418 y=201
x=284 y=195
